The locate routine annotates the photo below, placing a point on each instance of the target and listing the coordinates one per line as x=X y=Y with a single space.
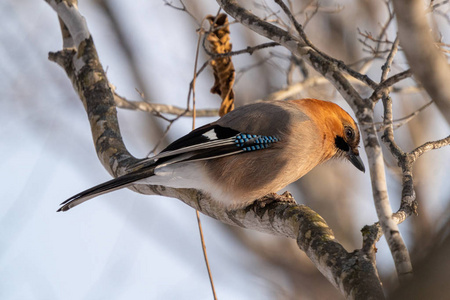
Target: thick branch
x=395 y=241
x=384 y=211
x=427 y=62
x=381 y=200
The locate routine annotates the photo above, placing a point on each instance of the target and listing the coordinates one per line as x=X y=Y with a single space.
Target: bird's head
x=341 y=134
x=346 y=142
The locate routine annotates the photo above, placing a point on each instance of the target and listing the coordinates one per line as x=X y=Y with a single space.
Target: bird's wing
x=263 y=124
x=207 y=142
x=232 y=134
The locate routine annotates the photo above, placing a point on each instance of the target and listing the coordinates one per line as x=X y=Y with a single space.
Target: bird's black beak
x=356 y=160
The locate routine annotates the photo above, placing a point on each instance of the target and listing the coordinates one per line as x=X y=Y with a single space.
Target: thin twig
x=245 y=69
x=248 y=50
x=182 y=8
x=311 y=16
x=416 y=153
x=340 y=64
x=402 y=121
x=200 y=229
x=384 y=87
x=158 y=109
x=386 y=68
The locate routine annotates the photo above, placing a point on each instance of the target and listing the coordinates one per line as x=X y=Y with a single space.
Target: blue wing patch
x=252 y=142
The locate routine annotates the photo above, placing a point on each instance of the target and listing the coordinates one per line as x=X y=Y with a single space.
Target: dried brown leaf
x=218 y=42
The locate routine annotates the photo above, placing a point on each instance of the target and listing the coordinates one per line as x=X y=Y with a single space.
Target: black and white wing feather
x=207 y=142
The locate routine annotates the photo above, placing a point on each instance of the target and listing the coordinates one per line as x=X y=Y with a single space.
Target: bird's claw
x=274 y=197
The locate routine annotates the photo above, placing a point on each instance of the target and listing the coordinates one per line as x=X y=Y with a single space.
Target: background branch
x=157 y=109
x=427 y=62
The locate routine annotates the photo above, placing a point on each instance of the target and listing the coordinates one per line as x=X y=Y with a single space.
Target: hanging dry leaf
x=218 y=42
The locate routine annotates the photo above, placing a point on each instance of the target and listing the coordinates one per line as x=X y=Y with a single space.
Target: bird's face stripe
x=341 y=144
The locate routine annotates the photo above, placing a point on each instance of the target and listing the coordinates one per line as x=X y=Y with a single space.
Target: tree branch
x=416 y=153
x=328 y=68
x=427 y=62
x=339 y=64
x=157 y=109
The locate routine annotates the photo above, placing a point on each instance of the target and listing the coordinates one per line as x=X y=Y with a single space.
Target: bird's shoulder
x=248 y=128
x=269 y=118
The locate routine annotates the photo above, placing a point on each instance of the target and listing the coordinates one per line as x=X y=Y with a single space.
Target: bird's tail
x=106 y=187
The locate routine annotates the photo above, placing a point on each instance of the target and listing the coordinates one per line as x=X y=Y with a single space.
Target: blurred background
x=129 y=246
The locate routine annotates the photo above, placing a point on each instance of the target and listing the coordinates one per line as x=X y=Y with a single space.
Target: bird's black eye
x=349 y=133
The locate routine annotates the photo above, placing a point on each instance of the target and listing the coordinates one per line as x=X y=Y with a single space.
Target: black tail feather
x=106 y=187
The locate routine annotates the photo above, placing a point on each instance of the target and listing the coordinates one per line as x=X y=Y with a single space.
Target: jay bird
x=250 y=152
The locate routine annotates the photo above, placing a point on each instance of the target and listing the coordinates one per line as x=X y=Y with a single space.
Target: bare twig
x=385 y=86
x=340 y=64
x=245 y=69
x=381 y=39
x=311 y=16
x=294 y=89
x=248 y=50
x=416 y=153
x=401 y=121
x=182 y=8
x=386 y=68
x=199 y=223
x=158 y=109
